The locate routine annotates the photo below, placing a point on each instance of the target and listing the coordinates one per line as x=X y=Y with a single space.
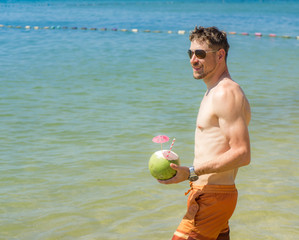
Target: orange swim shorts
x=209 y=208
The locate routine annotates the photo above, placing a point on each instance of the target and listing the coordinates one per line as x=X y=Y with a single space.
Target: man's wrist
x=192 y=175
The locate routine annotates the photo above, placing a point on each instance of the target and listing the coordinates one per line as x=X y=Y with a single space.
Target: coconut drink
x=159 y=164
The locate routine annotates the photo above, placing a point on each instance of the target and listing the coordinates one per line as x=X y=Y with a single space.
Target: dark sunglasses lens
x=200 y=54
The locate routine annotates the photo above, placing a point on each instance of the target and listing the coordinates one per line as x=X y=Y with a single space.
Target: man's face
x=202 y=68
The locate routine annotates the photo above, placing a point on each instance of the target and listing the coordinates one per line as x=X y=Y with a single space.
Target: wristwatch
x=192 y=177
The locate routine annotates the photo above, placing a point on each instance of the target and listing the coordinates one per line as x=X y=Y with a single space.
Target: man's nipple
x=200 y=127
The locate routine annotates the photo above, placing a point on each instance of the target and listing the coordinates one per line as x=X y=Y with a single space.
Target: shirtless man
x=221 y=141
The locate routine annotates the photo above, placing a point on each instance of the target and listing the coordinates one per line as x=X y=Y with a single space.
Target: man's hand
x=182 y=174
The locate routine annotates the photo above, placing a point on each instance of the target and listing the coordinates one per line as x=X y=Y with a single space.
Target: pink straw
x=170 y=147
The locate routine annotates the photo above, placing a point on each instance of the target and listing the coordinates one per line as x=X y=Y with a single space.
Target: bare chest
x=206 y=117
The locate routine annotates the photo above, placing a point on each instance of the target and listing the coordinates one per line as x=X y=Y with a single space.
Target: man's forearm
x=229 y=160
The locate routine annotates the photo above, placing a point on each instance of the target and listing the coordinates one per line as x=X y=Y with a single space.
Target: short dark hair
x=212 y=36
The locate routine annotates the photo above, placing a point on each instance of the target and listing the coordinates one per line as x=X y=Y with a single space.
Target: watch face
x=193 y=178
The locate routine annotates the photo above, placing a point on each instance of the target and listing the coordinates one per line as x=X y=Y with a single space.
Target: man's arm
x=230 y=108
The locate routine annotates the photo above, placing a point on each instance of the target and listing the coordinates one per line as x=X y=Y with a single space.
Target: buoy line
x=135 y=30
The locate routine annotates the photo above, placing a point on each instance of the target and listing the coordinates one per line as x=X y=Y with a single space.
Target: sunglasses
x=199 y=53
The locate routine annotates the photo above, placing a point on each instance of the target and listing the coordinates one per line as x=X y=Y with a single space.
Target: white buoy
x=134 y=30
x=181 y=32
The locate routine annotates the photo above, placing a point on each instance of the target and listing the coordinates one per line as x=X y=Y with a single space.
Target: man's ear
x=221 y=55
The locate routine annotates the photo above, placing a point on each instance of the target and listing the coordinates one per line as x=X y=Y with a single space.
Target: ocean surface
x=79 y=109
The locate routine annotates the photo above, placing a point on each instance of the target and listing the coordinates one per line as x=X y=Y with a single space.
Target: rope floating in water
x=135 y=30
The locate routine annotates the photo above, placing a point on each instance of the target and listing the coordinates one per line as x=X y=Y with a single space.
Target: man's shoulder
x=228 y=98
x=226 y=89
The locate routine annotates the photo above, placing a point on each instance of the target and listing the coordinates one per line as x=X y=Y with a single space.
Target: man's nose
x=193 y=59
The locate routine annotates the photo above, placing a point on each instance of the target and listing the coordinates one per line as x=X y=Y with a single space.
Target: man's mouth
x=196 y=68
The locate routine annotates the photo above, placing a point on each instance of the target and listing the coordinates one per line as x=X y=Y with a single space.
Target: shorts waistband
x=214 y=188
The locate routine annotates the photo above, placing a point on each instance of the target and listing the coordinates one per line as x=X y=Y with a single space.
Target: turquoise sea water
x=79 y=109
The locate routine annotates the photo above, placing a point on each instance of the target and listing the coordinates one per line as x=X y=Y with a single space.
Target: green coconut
x=159 y=166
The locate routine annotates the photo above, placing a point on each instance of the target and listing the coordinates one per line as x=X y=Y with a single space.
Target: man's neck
x=213 y=80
